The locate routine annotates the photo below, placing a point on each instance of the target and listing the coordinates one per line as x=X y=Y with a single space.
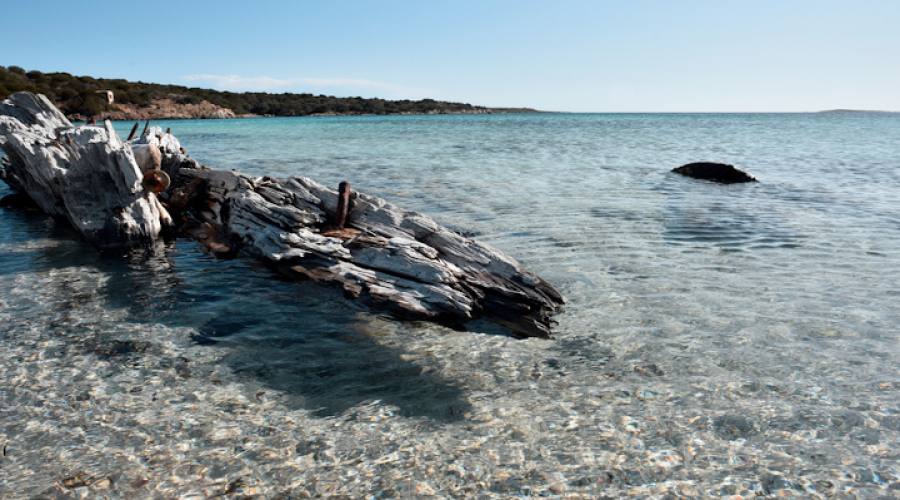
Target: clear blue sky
x=591 y=55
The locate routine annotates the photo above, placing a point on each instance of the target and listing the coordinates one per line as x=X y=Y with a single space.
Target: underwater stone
x=119 y=348
x=733 y=427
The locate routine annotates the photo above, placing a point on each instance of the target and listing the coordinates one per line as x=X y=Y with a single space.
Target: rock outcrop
x=159 y=109
x=715 y=172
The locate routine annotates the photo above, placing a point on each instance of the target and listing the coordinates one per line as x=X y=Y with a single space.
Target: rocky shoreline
x=170 y=109
x=164 y=109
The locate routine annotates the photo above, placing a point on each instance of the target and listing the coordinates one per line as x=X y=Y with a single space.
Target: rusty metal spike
x=343 y=205
x=156 y=181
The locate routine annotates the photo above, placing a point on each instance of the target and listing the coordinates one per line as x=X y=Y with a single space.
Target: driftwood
x=85 y=175
x=399 y=261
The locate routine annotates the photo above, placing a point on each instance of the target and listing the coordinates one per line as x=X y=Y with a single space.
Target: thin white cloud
x=343 y=86
x=237 y=82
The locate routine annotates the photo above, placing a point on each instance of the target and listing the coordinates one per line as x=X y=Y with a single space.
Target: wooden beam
x=133 y=131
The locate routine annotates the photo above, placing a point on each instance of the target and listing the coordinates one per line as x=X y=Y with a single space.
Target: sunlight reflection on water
x=717 y=338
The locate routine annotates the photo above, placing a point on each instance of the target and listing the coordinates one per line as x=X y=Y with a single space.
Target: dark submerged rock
x=715 y=172
x=771 y=484
x=79 y=480
x=118 y=348
x=733 y=427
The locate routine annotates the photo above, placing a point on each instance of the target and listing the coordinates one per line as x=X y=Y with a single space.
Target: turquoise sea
x=717 y=340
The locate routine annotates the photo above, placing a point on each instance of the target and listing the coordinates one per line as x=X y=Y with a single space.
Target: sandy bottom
x=94 y=402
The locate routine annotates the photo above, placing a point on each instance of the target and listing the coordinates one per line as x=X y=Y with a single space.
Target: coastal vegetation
x=78 y=97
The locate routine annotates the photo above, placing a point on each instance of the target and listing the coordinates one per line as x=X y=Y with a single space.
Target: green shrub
x=77 y=94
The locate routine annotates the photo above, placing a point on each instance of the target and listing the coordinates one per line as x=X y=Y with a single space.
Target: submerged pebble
x=716 y=341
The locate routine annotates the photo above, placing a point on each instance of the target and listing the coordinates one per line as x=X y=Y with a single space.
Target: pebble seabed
x=95 y=401
x=718 y=341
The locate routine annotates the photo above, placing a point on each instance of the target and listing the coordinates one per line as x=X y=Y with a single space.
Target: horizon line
x=682 y=112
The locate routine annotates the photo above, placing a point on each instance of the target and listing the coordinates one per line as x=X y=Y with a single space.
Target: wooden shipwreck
x=129 y=193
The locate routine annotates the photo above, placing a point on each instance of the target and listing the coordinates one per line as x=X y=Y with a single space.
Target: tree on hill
x=78 y=95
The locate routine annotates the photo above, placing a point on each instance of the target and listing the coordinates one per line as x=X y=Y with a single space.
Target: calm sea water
x=717 y=340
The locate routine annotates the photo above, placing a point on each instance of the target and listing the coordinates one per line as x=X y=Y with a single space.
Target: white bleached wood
x=85 y=175
x=402 y=261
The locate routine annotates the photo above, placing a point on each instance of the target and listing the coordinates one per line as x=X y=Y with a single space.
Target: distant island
x=855 y=111
x=83 y=97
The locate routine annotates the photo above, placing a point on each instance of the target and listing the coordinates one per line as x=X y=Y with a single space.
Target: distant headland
x=857 y=111
x=82 y=97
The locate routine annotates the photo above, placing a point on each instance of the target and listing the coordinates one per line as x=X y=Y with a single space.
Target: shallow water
x=718 y=339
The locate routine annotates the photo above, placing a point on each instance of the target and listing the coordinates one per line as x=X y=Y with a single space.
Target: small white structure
x=110 y=97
